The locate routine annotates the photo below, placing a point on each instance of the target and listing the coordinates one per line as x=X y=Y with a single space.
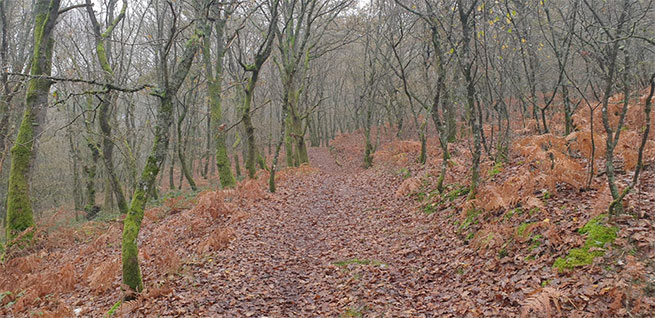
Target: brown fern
x=408 y=186
x=103 y=276
x=542 y=303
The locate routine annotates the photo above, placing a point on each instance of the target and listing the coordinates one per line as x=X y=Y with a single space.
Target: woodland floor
x=337 y=240
x=333 y=242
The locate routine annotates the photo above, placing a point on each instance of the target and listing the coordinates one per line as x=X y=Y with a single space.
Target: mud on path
x=335 y=242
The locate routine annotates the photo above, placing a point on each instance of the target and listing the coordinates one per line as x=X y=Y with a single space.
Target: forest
x=327 y=158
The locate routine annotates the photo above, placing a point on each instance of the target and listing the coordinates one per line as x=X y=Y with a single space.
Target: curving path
x=333 y=243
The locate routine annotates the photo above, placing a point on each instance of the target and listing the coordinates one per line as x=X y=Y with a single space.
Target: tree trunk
x=368 y=150
x=90 y=171
x=288 y=143
x=214 y=87
x=237 y=167
x=466 y=67
x=132 y=223
x=171 y=177
x=19 y=207
x=422 y=136
x=7 y=94
x=271 y=180
x=103 y=51
x=181 y=150
x=251 y=145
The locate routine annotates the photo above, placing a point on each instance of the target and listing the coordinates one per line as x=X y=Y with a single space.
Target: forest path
x=334 y=242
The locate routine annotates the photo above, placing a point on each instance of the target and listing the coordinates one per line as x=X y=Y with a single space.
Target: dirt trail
x=331 y=243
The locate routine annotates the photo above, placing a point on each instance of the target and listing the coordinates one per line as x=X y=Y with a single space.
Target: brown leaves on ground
x=337 y=240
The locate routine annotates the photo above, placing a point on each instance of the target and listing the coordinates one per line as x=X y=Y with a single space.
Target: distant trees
x=611 y=38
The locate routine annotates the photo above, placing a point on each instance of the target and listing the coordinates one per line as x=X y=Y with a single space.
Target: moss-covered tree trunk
x=106 y=105
x=423 y=137
x=288 y=103
x=132 y=224
x=90 y=171
x=568 y=111
x=251 y=145
x=467 y=62
x=301 y=145
x=271 y=180
x=214 y=87
x=171 y=178
x=288 y=144
x=237 y=166
x=19 y=207
x=368 y=149
x=262 y=54
x=298 y=133
x=314 y=128
x=447 y=128
x=181 y=150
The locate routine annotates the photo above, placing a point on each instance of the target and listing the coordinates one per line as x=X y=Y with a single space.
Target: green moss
x=405 y=173
x=546 y=195
x=132 y=223
x=354 y=313
x=429 y=208
x=471 y=219
x=509 y=214
x=576 y=257
x=420 y=196
x=496 y=169
x=223 y=163
x=113 y=309
x=598 y=235
x=520 y=231
x=237 y=167
x=457 y=192
x=102 y=57
x=358 y=261
x=536 y=242
x=488 y=239
x=261 y=161
x=19 y=207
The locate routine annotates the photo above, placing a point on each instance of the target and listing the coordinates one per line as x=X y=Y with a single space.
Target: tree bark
x=106 y=105
x=132 y=224
x=214 y=87
x=19 y=207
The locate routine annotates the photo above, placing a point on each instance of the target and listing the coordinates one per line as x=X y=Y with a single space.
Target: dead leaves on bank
x=81 y=271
